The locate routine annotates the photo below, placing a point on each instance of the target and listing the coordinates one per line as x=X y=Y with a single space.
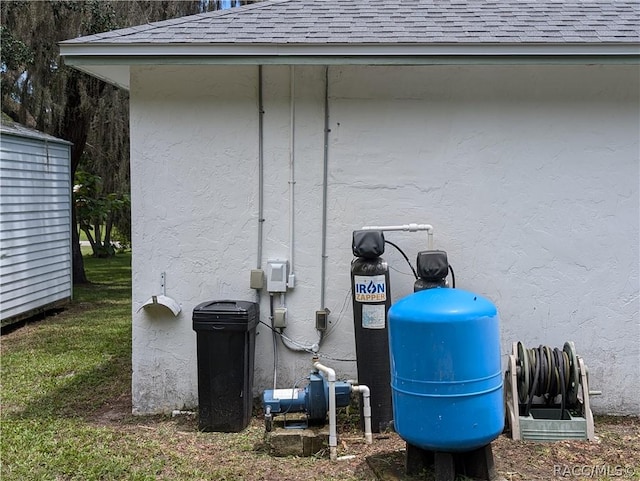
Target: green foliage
x=102 y=17
x=96 y=211
x=15 y=54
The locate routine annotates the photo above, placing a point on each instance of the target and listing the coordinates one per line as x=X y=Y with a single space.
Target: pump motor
x=312 y=400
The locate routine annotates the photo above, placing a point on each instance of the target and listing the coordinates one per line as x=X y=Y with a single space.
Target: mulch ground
x=615 y=454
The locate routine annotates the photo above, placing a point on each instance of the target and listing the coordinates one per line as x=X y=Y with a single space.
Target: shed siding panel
x=35 y=224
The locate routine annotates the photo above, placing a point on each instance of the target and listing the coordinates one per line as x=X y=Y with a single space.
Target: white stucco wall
x=529 y=174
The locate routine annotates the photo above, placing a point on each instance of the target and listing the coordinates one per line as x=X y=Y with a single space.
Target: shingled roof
x=338 y=31
x=395 y=21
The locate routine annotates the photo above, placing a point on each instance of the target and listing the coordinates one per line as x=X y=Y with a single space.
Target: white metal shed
x=35 y=222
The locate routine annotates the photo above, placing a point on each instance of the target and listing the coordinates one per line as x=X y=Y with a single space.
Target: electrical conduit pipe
x=292 y=174
x=333 y=437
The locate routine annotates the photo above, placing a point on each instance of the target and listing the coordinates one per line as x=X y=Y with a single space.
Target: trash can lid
x=226 y=313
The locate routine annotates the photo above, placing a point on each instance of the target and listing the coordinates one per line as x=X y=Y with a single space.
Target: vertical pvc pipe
x=333 y=436
x=366 y=409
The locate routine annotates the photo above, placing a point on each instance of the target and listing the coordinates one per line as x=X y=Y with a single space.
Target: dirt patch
x=614 y=455
x=114 y=413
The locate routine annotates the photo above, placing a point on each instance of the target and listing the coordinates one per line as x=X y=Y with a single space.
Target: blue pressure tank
x=446 y=376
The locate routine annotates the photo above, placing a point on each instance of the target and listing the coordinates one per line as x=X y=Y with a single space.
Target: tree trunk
x=79 y=275
x=107 y=230
x=75 y=128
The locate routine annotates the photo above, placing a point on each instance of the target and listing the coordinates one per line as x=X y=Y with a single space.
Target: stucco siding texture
x=529 y=175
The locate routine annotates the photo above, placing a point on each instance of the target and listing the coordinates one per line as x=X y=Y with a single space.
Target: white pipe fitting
x=366 y=410
x=406 y=227
x=333 y=436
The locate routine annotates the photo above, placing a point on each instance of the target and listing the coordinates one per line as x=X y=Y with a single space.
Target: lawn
x=57 y=372
x=66 y=403
x=66 y=416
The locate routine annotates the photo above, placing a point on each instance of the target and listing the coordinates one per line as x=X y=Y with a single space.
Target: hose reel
x=547 y=373
x=547 y=393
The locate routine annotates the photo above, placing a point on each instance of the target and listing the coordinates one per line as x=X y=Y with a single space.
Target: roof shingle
x=307 y=22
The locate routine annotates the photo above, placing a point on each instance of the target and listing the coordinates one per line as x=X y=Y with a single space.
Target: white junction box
x=277 y=272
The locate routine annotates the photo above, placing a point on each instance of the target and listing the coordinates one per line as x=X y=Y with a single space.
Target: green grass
x=62 y=374
x=58 y=372
x=63 y=377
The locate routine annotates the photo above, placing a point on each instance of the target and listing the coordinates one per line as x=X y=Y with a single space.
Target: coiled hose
x=547 y=373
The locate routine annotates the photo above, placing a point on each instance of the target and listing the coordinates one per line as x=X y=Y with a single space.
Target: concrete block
x=297 y=442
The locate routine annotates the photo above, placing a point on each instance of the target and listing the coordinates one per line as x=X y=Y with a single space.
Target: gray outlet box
x=322 y=320
x=280 y=317
x=257 y=279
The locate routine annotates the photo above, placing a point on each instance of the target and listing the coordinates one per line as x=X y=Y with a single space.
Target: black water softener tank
x=371 y=302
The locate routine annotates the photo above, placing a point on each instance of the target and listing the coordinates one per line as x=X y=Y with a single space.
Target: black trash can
x=226 y=337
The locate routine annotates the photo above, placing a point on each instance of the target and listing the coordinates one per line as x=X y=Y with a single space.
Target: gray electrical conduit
x=292 y=172
x=289 y=343
x=261 y=212
x=325 y=180
x=260 y=171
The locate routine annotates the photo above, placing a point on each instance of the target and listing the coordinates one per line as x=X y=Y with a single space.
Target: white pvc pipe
x=406 y=227
x=333 y=436
x=366 y=410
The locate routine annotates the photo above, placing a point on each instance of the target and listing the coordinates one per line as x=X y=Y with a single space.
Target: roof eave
x=103 y=60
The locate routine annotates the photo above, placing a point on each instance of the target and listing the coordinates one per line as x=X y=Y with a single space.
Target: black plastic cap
x=432 y=265
x=368 y=243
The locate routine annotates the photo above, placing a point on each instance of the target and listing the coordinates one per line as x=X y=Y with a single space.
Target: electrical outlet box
x=280 y=317
x=257 y=279
x=322 y=320
x=277 y=276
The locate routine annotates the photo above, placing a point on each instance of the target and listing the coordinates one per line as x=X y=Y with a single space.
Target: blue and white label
x=370 y=288
x=286 y=394
x=373 y=316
